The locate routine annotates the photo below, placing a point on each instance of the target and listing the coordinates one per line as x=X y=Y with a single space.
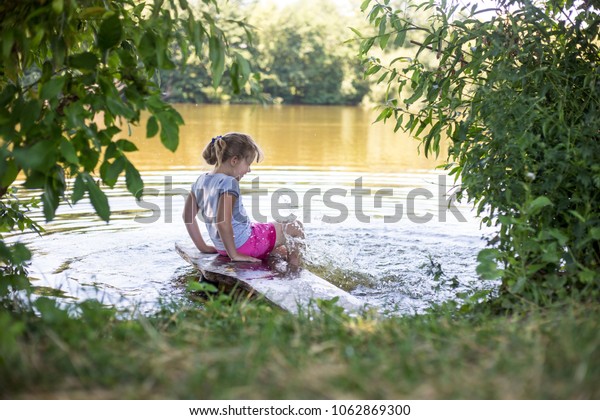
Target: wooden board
x=289 y=290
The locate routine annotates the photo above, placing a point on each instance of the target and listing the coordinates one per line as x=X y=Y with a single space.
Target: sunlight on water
x=350 y=182
x=301 y=137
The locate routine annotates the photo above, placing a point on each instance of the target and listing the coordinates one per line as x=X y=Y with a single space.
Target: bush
x=518 y=95
x=72 y=74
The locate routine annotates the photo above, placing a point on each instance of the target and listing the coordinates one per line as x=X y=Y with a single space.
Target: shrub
x=518 y=94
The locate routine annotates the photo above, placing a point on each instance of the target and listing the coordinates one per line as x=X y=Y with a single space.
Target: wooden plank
x=290 y=291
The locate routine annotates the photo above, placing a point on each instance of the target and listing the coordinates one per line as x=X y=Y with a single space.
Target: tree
x=295 y=46
x=303 y=58
x=189 y=82
x=72 y=73
x=517 y=91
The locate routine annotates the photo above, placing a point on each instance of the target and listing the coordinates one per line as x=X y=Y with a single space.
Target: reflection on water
x=316 y=137
x=402 y=266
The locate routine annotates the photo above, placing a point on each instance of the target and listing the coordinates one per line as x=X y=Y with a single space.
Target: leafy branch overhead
x=514 y=92
x=73 y=73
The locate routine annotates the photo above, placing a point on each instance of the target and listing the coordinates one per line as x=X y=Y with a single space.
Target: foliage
x=304 y=59
x=14 y=257
x=73 y=74
x=517 y=91
x=292 y=48
x=225 y=350
x=190 y=81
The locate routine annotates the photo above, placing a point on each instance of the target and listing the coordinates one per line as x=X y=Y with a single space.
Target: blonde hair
x=222 y=148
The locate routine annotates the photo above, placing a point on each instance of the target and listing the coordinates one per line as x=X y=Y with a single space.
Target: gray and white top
x=207 y=190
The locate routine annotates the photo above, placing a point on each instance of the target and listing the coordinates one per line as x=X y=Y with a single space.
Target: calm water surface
x=347 y=179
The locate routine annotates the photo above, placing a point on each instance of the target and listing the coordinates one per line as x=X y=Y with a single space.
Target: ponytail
x=222 y=148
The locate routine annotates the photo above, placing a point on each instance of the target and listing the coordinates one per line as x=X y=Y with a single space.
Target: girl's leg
x=291 y=235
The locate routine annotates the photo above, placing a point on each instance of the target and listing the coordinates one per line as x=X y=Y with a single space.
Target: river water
x=375 y=211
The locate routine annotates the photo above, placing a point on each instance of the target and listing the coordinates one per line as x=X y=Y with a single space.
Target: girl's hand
x=244 y=258
x=208 y=250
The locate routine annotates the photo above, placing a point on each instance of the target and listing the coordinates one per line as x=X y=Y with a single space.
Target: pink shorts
x=260 y=243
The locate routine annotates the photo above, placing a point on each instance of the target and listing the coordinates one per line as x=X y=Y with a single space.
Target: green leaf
x=169 y=133
x=382 y=25
x=400 y=38
x=558 y=235
x=134 y=182
x=588 y=276
x=92 y=12
x=118 y=107
x=385 y=114
x=399 y=122
x=50 y=199
x=147 y=49
x=383 y=77
x=84 y=61
x=519 y=285
x=40 y=157
x=151 y=127
x=244 y=68
x=539 y=203
x=89 y=159
x=8 y=173
x=75 y=114
x=97 y=197
x=383 y=40
x=78 y=189
x=59 y=51
x=113 y=171
x=487 y=267
x=196 y=31
x=52 y=88
x=8 y=94
x=30 y=115
x=356 y=32
x=126 y=146
x=196 y=286
x=372 y=70
x=416 y=94
x=58 y=6
x=234 y=77
x=577 y=215
x=68 y=151
x=50 y=312
x=19 y=254
x=217 y=59
x=111 y=32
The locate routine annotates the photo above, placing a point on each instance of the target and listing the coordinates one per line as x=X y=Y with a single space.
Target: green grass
x=220 y=349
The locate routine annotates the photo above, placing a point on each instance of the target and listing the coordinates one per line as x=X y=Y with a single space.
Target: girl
x=216 y=195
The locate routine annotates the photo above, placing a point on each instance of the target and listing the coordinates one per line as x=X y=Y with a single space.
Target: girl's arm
x=224 y=216
x=190 y=210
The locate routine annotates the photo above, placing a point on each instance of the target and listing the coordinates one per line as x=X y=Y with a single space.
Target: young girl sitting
x=216 y=195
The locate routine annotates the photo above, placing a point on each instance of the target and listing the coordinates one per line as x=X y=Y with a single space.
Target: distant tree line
x=298 y=57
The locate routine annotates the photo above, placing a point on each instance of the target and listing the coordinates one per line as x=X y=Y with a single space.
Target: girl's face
x=240 y=167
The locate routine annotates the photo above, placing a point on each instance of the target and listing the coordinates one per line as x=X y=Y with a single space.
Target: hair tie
x=215 y=138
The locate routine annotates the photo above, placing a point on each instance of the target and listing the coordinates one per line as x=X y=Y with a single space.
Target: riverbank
x=218 y=349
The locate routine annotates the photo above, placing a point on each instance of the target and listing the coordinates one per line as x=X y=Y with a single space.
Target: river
x=375 y=211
